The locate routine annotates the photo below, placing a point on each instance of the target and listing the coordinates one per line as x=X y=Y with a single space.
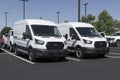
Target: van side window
x=28 y=31
x=73 y=34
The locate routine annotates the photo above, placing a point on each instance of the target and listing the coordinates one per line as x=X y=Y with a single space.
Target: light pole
x=6 y=17
x=79 y=10
x=24 y=7
x=85 y=9
x=58 y=16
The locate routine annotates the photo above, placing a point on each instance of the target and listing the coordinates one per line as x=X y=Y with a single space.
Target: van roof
x=35 y=21
x=77 y=24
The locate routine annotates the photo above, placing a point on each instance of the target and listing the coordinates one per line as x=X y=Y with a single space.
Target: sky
x=47 y=9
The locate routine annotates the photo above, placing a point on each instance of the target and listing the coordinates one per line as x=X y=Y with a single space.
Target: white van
x=8 y=40
x=114 y=39
x=83 y=39
x=39 y=38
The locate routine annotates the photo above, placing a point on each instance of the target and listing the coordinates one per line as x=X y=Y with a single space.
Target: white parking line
x=2 y=53
x=114 y=53
x=114 y=57
x=72 y=59
x=19 y=57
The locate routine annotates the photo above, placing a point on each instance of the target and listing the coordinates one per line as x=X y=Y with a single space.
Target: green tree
x=105 y=23
x=5 y=30
x=89 y=19
x=117 y=25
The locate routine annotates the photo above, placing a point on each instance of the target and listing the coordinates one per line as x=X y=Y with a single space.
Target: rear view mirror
x=66 y=36
x=102 y=33
x=25 y=35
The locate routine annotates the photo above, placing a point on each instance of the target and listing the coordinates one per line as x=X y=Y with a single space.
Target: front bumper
x=95 y=50
x=49 y=53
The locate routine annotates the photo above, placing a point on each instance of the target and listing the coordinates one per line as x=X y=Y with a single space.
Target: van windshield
x=45 y=30
x=116 y=34
x=88 y=32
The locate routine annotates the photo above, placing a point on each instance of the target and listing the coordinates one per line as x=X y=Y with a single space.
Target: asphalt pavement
x=20 y=68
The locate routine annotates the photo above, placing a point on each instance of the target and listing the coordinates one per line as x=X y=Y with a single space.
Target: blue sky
x=47 y=9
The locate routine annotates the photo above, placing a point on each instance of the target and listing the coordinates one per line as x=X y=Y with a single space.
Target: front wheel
x=11 y=48
x=3 y=45
x=102 y=55
x=16 y=52
x=62 y=58
x=31 y=56
x=118 y=43
x=79 y=53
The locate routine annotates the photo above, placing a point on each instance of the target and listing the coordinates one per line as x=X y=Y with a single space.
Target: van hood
x=95 y=38
x=50 y=38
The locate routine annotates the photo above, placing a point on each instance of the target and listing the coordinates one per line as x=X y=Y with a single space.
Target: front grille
x=55 y=46
x=100 y=44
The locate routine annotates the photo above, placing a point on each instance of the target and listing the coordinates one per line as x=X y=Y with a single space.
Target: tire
x=11 y=48
x=118 y=43
x=61 y=58
x=78 y=52
x=31 y=56
x=102 y=55
x=4 y=45
x=16 y=52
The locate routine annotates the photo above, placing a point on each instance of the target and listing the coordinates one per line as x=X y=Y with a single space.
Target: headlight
x=87 y=41
x=40 y=42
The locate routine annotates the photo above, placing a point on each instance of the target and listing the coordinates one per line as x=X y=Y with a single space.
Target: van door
x=26 y=40
x=73 y=37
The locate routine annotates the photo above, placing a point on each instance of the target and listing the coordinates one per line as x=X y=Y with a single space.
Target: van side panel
x=19 y=29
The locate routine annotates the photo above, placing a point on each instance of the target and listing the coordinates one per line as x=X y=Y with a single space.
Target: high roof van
x=39 y=38
x=83 y=39
x=8 y=40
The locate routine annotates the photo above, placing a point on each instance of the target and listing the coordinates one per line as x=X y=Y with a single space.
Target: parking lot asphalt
x=19 y=68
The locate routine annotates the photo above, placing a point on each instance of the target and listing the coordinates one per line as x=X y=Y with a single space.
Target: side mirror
x=66 y=36
x=103 y=34
x=26 y=36
x=73 y=36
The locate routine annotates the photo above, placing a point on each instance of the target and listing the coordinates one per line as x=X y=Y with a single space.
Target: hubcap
x=78 y=53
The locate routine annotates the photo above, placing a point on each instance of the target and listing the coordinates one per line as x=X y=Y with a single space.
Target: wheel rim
x=118 y=43
x=10 y=48
x=31 y=57
x=78 y=53
x=16 y=51
x=3 y=45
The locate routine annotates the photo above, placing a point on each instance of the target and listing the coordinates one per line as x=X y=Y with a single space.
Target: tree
x=105 y=23
x=117 y=25
x=5 y=30
x=89 y=19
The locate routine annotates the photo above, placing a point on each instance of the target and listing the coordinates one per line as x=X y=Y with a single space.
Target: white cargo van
x=8 y=40
x=114 y=39
x=83 y=39
x=39 y=38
